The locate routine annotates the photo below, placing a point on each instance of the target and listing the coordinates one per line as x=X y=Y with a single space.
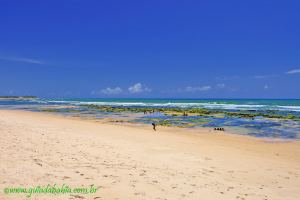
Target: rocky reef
x=271 y=114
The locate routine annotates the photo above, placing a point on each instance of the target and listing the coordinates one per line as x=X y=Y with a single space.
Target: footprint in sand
x=143 y=173
x=230 y=188
x=140 y=193
x=77 y=196
x=38 y=162
x=65 y=177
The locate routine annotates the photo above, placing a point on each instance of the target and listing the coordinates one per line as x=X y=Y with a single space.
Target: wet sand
x=128 y=162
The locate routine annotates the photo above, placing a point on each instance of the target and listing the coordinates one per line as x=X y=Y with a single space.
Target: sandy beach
x=126 y=162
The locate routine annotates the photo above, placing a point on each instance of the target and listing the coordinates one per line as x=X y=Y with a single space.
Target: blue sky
x=178 y=49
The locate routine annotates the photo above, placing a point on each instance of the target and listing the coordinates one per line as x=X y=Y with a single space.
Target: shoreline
x=112 y=121
x=129 y=162
x=264 y=120
x=198 y=132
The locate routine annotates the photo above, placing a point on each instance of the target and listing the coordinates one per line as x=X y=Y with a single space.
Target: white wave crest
x=212 y=105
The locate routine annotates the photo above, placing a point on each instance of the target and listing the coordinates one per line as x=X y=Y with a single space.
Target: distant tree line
x=18 y=97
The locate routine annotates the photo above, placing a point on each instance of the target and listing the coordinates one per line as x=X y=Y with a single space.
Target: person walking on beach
x=154 y=126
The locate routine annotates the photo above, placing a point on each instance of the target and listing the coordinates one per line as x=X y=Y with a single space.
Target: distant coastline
x=16 y=97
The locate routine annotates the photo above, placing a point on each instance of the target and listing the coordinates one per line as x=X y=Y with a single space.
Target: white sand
x=137 y=163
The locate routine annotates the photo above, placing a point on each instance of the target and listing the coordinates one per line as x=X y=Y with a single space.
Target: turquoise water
x=258 y=127
x=290 y=105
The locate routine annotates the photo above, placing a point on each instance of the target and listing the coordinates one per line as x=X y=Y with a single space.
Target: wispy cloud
x=221 y=85
x=138 y=88
x=266 y=87
x=111 y=91
x=22 y=59
x=265 y=76
x=196 y=89
x=293 y=71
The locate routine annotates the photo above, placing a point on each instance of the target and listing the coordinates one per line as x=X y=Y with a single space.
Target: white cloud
x=24 y=60
x=196 y=89
x=221 y=85
x=266 y=87
x=111 y=91
x=138 y=88
x=293 y=71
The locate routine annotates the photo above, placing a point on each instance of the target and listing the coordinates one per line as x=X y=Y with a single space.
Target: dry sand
x=137 y=163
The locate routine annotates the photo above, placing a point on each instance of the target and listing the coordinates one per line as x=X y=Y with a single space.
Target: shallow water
x=258 y=127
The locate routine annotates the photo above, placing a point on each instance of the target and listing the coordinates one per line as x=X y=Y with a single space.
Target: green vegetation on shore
x=17 y=97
